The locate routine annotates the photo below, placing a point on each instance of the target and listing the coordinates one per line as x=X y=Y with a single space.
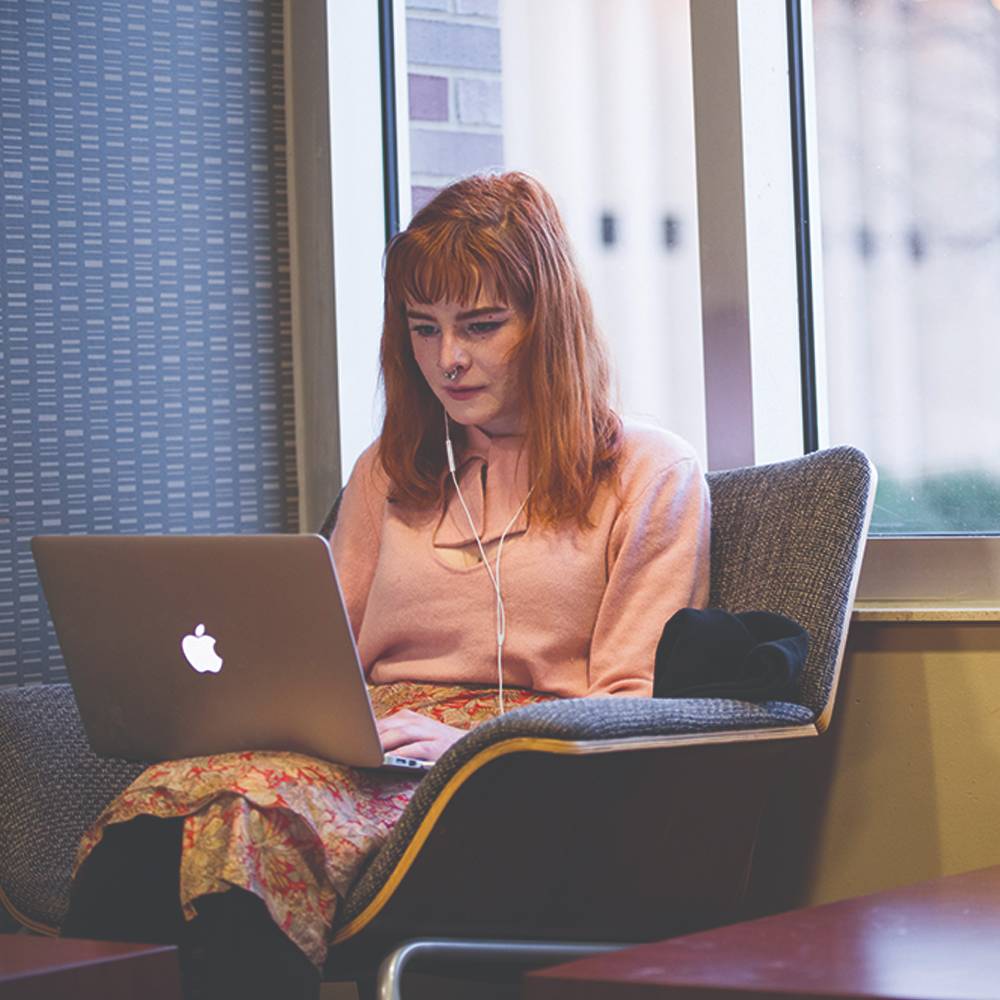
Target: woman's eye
x=483 y=328
x=423 y=330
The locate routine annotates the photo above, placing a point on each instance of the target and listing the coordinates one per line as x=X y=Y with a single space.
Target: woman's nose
x=452 y=352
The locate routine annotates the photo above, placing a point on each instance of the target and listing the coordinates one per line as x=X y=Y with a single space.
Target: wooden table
x=33 y=968
x=938 y=940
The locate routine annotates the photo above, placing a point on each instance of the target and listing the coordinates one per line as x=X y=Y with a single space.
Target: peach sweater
x=585 y=609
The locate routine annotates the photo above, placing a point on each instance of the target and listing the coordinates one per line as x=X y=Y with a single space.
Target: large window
x=907 y=103
x=908 y=117
x=669 y=134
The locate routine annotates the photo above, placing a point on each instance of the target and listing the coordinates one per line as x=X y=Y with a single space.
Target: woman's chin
x=459 y=415
x=472 y=413
x=464 y=411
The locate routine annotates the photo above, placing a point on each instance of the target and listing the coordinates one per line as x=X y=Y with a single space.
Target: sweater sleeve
x=658 y=559
x=355 y=539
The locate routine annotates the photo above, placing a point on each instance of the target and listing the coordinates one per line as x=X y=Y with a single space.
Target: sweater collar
x=504 y=463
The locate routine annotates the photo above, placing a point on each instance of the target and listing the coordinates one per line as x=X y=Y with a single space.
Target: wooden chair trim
x=533 y=744
x=25 y=921
x=824 y=717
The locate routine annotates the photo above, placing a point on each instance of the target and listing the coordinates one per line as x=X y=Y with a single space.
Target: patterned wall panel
x=145 y=366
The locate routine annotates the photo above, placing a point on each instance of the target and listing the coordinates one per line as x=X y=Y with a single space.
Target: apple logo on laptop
x=199 y=651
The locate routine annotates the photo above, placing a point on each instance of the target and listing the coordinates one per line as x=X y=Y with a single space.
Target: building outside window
x=908 y=118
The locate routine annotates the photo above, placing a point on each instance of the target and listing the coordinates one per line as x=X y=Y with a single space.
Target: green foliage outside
x=964 y=503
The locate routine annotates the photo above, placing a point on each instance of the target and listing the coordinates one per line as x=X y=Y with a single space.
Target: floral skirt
x=294 y=830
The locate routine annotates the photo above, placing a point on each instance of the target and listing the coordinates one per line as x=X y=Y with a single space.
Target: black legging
x=128 y=890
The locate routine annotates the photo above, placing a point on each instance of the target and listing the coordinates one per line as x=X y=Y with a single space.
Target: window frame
x=761 y=254
x=747 y=233
x=340 y=208
x=904 y=576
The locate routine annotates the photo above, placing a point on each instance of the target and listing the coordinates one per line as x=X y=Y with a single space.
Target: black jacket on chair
x=752 y=656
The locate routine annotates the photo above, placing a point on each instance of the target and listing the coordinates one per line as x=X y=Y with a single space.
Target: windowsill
x=898 y=574
x=924 y=611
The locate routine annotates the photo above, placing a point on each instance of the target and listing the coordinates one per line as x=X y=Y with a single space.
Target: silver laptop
x=179 y=646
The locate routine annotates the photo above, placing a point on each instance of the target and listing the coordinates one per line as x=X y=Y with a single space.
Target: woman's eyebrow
x=469 y=314
x=472 y=313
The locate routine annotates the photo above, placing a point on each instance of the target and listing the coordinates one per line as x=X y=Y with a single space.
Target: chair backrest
x=789 y=538
x=326 y=528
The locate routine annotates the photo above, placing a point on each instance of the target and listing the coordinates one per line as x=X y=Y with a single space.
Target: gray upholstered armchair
x=581 y=820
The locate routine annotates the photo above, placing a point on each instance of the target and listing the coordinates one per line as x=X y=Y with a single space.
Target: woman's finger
x=422 y=750
x=399 y=725
x=396 y=736
x=414 y=724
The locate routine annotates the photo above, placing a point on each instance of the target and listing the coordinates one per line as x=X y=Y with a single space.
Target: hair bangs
x=455 y=266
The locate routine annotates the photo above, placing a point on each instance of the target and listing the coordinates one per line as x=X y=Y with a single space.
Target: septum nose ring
x=452 y=373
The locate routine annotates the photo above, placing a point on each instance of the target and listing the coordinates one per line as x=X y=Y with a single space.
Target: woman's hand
x=411 y=734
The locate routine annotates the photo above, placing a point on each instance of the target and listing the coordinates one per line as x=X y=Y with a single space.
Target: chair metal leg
x=526 y=953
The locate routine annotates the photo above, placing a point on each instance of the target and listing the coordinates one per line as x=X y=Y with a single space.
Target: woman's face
x=475 y=342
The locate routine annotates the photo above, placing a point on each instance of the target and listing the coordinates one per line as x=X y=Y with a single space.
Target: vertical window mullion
x=359 y=214
x=389 y=42
x=746 y=221
x=803 y=228
x=314 y=354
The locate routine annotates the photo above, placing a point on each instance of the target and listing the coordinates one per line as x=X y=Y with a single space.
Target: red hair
x=501 y=235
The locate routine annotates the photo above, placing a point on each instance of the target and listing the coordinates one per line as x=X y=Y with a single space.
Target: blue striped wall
x=145 y=359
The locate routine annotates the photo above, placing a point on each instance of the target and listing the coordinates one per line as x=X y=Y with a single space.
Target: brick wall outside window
x=456 y=123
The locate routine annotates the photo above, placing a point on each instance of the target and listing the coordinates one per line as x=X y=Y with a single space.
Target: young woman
x=506 y=539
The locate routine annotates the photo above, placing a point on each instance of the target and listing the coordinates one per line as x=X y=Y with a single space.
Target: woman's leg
x=128 y=890
x=245 y=954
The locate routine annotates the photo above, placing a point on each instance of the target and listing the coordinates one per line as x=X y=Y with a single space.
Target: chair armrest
x=625 y=718
x=52 y=788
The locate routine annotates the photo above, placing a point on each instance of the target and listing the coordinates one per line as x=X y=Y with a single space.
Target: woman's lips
x=466 y=393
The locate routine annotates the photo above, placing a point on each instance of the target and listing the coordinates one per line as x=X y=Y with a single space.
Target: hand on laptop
x=411 y=734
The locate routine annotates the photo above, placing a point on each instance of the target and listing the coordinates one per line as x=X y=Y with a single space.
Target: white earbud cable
x=501 y=612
